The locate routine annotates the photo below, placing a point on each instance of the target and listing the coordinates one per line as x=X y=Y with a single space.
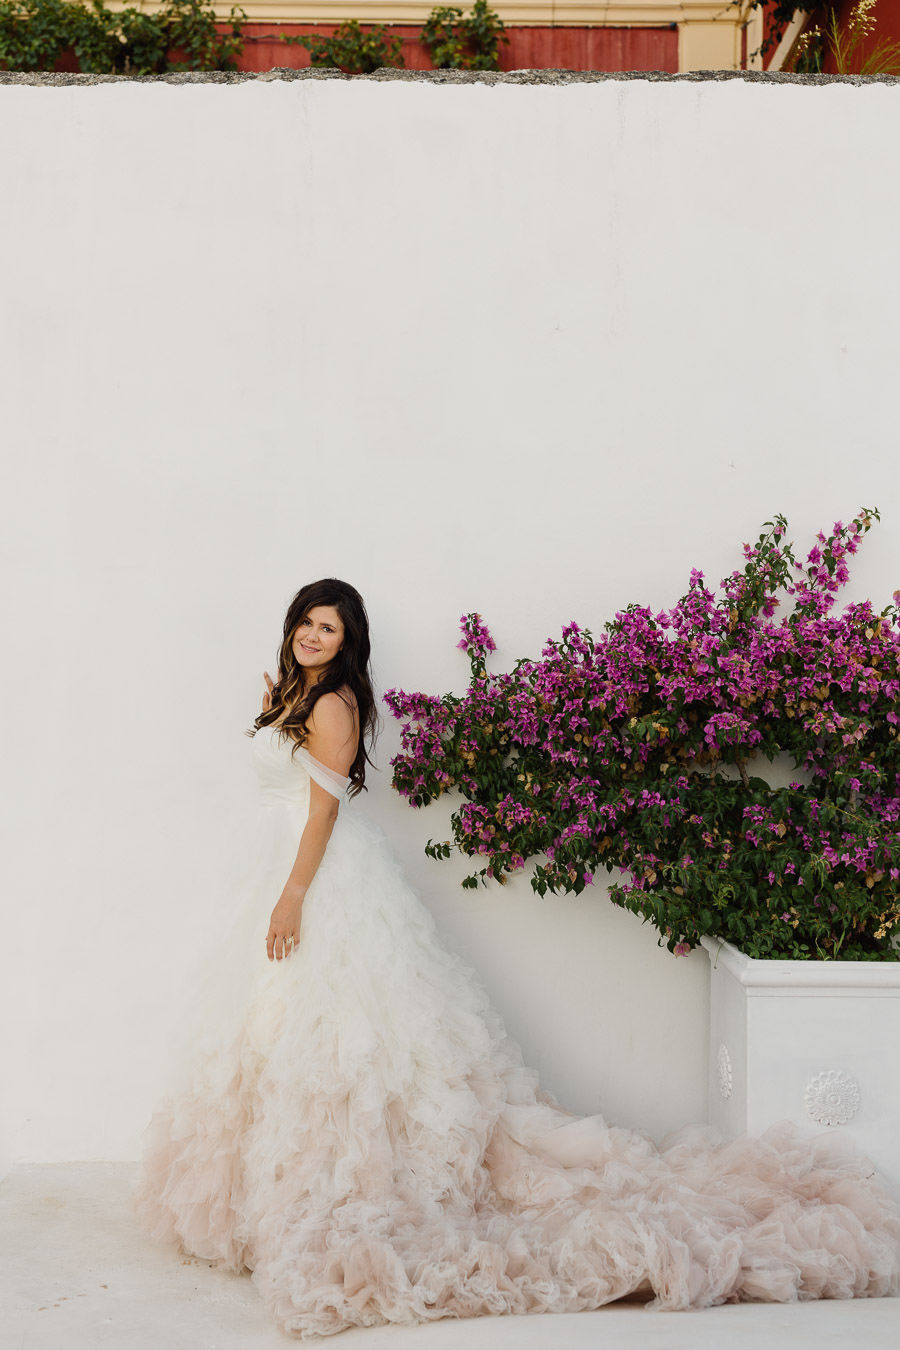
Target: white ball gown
x=359 y=1132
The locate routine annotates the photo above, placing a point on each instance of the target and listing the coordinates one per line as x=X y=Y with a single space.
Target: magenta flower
x=645 y=748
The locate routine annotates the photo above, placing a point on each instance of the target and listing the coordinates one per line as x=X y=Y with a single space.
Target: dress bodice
x=284 y=771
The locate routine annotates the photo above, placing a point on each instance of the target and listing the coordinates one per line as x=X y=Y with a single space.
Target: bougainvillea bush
x=644 y=751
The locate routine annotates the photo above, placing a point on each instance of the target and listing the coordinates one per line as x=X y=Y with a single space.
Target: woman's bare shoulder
x=333 y=727
x=334 y=710
x=347 y=696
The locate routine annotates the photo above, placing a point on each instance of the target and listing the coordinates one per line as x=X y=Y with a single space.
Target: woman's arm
x=332 y=740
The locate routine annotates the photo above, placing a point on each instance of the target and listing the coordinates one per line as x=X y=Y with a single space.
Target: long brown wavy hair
x=350 y=669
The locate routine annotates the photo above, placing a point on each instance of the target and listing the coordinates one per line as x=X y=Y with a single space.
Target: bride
x=356 y=1129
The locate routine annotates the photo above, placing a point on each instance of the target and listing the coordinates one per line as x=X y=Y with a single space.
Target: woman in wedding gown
x=357 y=1130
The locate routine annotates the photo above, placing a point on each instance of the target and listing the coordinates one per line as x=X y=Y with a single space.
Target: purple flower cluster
x=632 y=751
x=476 y=640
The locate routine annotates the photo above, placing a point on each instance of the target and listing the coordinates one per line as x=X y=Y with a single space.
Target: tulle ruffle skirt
x=357 y=1130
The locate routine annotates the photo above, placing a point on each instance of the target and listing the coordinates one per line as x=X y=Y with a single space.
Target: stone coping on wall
x=551 y=77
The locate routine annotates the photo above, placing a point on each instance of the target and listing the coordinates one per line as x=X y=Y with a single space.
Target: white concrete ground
x=77 y=1274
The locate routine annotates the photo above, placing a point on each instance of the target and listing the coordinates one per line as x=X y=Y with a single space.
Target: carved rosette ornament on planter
x=832 y=1098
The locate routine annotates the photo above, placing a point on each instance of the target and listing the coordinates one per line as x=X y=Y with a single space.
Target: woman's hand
x=267 y=696
x=283 y=936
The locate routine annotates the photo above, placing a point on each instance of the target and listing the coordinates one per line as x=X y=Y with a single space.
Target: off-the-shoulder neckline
x=341 y=777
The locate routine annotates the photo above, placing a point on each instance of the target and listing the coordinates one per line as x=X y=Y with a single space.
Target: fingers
x=281 y=945
x=267 y=696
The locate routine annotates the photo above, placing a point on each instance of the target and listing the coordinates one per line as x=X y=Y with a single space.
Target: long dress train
x=360 y=1133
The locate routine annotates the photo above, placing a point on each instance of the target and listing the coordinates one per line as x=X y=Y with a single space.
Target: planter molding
x=814 y=1042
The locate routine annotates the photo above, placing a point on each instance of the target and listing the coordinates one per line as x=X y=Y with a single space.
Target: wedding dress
x=359 y=1132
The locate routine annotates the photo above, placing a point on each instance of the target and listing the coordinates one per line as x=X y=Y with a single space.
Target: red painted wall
x=537 y=48
x=887 y=23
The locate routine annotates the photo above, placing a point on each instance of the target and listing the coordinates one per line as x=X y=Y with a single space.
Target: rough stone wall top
x=388 y=74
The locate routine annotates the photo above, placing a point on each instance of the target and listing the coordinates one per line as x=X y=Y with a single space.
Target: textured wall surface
x=526 y=349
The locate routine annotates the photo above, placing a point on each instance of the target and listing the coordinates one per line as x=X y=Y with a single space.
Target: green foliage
x=350 y=48
x=458 y=42
x=35 y=34
x=192 y=30
x=145 y=41
x=441 y=35
x=483 y=32
x=93 y=35
x=780 y=12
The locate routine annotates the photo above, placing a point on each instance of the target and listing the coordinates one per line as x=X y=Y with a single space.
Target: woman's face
x=318 y=639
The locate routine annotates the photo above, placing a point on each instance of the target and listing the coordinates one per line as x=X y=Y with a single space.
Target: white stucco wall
x=532 y=350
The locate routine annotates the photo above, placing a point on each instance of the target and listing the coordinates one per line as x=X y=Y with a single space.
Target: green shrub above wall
x=464 y=42
x=351 y=48
x=37 y=34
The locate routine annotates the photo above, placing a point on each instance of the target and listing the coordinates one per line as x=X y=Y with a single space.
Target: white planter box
x=814 y=1042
